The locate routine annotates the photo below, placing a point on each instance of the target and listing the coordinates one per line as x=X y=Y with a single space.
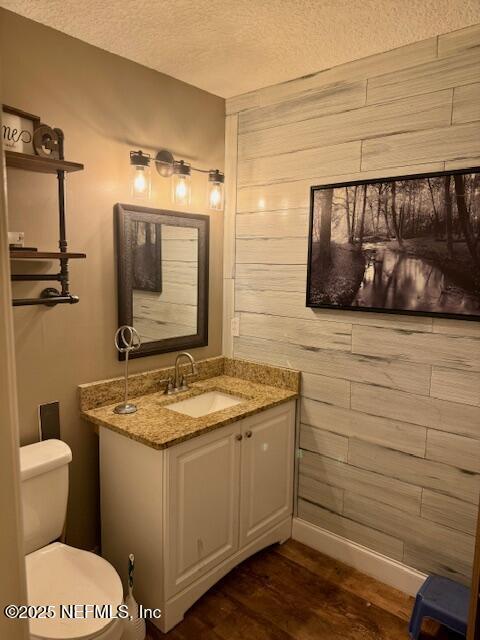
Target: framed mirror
x=162 y=259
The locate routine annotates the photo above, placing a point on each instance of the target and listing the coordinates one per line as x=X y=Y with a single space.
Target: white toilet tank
x=44 y=489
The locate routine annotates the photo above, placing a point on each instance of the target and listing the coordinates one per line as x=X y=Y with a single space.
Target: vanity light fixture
x=141 y=180
x=181 y=183
x=180 y=172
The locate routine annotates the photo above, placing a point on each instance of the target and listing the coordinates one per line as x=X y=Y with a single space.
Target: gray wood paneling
x=402 y=495
x=368 y=408
x=367 y=536
x=449 y=511
x=330 y=99
x=172 y=249
x=401 y=436
x=466 y=103
x=271 y=250
x=456 y=42
x=447 y=143
x=271 y=277
x=292 y=305
x=300 y=164
x=327 y=443
x=419 y=471
x=444 y=73
x=410 y=528
x=410 y=114
x=463 y=163
x=434 y=561
x=453 y=450
x=326 y=389
x=277 y=224
x=320 y=494
x=181 y=272
x=411 y=407
x=456 y=327
x=295 y=194
x=336 y=364
x=389 y=61
x=456 y=386
x=426 y=348
x=308 y=333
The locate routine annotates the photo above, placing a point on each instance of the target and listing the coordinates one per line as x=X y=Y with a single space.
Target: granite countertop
x=159 y=427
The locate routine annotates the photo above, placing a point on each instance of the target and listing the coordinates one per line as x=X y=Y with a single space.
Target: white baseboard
x=374 y=564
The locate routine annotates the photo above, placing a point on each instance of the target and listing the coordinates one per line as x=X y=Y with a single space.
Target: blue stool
x=442 y=600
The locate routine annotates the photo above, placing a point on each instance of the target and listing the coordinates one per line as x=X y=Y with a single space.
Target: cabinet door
x=266 y=470
x=203 y=505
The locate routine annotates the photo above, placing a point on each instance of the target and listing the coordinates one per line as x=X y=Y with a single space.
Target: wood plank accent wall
x=390 y=408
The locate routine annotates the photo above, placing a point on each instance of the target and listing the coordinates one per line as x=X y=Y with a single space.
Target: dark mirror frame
x=124 y=215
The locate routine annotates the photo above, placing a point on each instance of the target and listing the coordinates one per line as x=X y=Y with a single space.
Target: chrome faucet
x=181 y=383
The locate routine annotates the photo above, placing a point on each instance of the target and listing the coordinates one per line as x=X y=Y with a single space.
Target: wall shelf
x=45 y=255
x=39 y=164
x=59 y=167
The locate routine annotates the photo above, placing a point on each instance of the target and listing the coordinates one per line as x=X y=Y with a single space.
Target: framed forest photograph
x=409 y=244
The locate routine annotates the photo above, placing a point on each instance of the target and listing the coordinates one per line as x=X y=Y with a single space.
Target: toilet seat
x=59 y=574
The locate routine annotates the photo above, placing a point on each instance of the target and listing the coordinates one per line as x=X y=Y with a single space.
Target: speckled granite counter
x=260 y=386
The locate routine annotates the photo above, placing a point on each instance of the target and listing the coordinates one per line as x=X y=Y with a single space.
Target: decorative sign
x=17 y=129
x=46 y=142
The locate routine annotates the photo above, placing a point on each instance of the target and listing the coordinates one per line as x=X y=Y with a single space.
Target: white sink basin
x=204 y=404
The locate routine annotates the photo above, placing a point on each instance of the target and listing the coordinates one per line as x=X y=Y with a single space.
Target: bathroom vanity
x=194 y=484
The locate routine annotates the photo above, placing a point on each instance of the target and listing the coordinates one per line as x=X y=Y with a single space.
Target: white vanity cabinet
x=202 y=505
x=193 y=511
x=266 y=474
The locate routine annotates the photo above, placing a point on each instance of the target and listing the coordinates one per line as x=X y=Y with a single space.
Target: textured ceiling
x=229 y=47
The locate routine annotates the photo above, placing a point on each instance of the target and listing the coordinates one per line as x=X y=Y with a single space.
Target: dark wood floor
x=293 y=592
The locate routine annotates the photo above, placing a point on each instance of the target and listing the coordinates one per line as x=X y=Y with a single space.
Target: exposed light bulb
x=215 y=190
x=181 y=183
x=141 y=183
x=181 y=190
x=215 y=197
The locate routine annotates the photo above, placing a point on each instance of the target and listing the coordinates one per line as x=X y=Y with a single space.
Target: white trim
x=374 y=564
x=231 y=144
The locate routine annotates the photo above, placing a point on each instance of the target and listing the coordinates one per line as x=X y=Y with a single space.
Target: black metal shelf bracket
x=41 y=277
x=50 y=296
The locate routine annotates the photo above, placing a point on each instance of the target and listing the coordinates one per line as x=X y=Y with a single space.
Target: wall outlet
x=235 y=324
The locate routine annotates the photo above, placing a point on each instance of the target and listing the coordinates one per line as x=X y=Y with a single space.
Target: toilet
x=56 y=573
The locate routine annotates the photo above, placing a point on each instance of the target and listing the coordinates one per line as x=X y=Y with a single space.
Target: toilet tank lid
x=44 y=456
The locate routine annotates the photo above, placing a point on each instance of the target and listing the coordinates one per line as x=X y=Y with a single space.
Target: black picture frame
x=24 y=115
x=125 y=214
x=312 y=303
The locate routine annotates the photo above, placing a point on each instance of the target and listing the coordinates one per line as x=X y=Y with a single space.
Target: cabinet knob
x=239 y=437
x=248 y=434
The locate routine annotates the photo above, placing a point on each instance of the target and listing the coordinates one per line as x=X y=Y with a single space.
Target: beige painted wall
x=390 y=404
x=106 y=106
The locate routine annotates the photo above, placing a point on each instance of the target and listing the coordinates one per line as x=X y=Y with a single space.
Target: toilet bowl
x=82 y=589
